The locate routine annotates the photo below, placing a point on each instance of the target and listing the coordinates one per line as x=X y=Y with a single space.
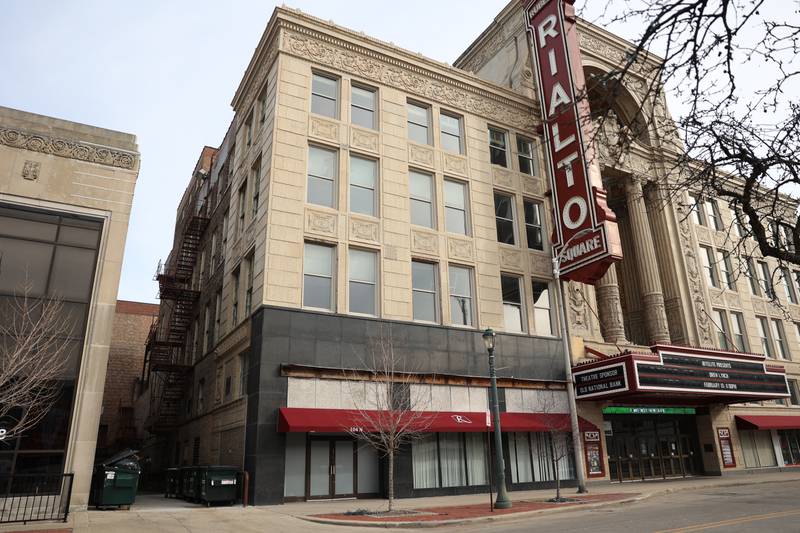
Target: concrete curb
x=524 y=514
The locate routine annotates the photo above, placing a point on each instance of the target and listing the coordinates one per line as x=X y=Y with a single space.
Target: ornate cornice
x=498 y=37
x=368 y=64
x=82 y=151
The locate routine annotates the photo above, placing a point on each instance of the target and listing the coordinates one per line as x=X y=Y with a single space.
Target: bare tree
x=389 y=412
x=557 y=426
x=34 y=341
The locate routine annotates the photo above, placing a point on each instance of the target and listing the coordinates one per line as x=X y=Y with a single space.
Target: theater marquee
x=579 y=201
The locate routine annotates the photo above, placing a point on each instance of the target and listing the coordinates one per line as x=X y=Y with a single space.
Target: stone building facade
x=65 y=198
x=365 y=194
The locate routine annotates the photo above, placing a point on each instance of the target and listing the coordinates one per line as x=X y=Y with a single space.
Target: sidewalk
x=155 y=513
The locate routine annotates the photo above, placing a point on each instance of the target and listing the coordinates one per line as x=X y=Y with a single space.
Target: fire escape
x=165 y=365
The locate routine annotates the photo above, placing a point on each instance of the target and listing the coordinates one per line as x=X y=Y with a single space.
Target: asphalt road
x=772 y=507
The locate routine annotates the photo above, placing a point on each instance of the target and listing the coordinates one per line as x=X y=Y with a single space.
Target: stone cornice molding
x=504 y=28
x=71 y=149
x=327 y=50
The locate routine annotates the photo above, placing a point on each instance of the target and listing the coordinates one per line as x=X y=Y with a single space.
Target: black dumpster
x=218 y=484
x=191 y=488
x=115 y=480
x=171 y=483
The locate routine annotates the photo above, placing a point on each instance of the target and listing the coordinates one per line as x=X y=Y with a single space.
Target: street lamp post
x=502 y=501
x=573 y=408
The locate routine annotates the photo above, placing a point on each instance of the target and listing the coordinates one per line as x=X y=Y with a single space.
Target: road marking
x=731 y=522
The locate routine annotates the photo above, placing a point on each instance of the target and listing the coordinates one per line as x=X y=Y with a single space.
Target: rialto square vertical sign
x=579 y=200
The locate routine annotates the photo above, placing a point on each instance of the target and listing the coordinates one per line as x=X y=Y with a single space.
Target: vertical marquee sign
x=579 y=201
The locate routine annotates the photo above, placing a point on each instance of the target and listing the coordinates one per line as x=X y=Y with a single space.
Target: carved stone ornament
x=321 y=222
x=503 y=178
x=454 y=164
x=533 y=186
x=607 y=51
x=370 y=65
x=510 y=258
x=420 y=155
x=30 y=170
x=507 y=30
x=363 y=230
x=704 y=332
x=459 y=249
x=424 y=242
x=323 y=129
x=70 y=149
x=541 y=264
x=577 y=307
x=733 y=300
x=363 y=140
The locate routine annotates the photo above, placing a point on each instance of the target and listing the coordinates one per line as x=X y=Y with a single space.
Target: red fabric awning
x=303 y=420
x=767 y=422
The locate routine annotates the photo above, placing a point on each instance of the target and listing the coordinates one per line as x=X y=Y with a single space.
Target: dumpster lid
x=116 y=458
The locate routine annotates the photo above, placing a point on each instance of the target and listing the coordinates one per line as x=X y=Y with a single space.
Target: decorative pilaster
x=646 y=265
x=609 y=307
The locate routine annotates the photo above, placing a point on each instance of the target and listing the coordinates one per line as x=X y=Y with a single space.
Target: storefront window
x=449 y=460
x=790 y=446
x=531 y=457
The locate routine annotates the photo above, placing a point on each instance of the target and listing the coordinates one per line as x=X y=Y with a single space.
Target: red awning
x=303 y=420
x=767 y=422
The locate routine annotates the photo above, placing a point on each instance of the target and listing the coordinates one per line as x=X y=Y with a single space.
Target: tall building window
x=248 y=295
x=697 y=209
x=242 y=373
x=752 y=277
x=764 y=336
x=543 y=323
x=363 y=281
x=460 y=279
x=241 y=205
x=262 y=104
x=766 y=279
x=498 y=147
x=248 y=129
x=526 y=156
x=455 y=207
x=788 y=285
x=225 y=218
x=451 y=136
x=322 y=170
x=256 y=172
x=425 y=291
x=533 y=224
x=419 y=123
x=712 y=214
x=363 y=180
x=737 y=225
x=726 y=270
x=504 y=218
x=793 y=392
x=739 y=335
x=362 y=106
x=421 y=192
x=217 y=316
x=779 y=334
x=513 y=313
x=707 y=257
x=318 y=288
x=207 y=332
x=722 y=329
x=236 y=281
x=325 y=95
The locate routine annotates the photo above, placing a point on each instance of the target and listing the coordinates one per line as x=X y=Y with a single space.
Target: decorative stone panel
x=30 y=170
x=323 y=129
x=364 y=230
x=717 y=298
x=541 y=264
x=733 y=300
x=760 y=307
x=533 y=186
x=420 y=155
x=459 y=249
x=364 y=140
x=703 y=235
x=321 y=223
x=454 y=164
x=424 y=242
x=504 y=178
x=510 y=258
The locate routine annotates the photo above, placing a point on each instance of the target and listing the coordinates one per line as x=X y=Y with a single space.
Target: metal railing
x=34 y=497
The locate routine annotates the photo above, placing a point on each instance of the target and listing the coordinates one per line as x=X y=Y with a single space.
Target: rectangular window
x=752 y=277
x=248 y=296
x=533 y=224
x=224 y=232
x=362 y=106
x=513 y=313
x=779 y=335
x=455 y=207
x=766 y=279
x=712 y=214
x=241 y=205
x=735 y=220
x=726 y=270
x=526 y=156
x=739 y=335
x=793 y=392
x=363 y=282
x=722 y=329
x=709 y=267
x=218 y=315
x=248 y=129
x=451 y=136
x=763 y=335
x=242 y=374
x=543 y=323
x=206 y=329
x=419 y=123
x=787 y=237
x=318 y=276
x=425 y=291
x=256 y=173
x=363 y=180
x=324 y=95
x=504 y=218
x=448 y=460
x=322 y=170
x=235 y=297
x=262 y=104
x=788 y=285
x=498 y=151
x=421 y=191
x=697 y=210
x=460 y=295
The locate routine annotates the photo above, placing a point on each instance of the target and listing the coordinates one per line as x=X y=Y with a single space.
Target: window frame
x=448 y=205
x=242 y=207
x=697 y=210
x=235 y=285
x=460 y=120
x=709 y=260
x=437 y=318
x=765 y=336
x=534 y=164
x=723 y=334
x=336 y=98
x=551 y=311
x=450 y=294
x=256 y=188
x=334 y=179
x=332 y=278
x=492 y=146
x=726 y=277
x=779 y=339
x=431 y=202
x=520 y=306
x=539 y=206
x=788 y=285
x=374 y=190
x=428 y=125
x=248 y=296
x=497 y=218
x=375 y=283
x=737 y=322
x=370 y=89
x=765 y=277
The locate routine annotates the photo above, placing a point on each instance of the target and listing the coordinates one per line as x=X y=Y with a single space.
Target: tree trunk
x=391 y=480
x=555 y=469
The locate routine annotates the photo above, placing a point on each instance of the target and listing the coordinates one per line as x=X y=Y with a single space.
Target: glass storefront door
x=331 y=471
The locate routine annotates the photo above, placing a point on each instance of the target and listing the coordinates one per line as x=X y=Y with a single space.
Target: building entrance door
x=331 y=468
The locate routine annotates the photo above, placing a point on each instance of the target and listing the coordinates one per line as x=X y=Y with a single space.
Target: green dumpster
x=115 y=480
x=191 y=488
x=218 y=484
x=171 y=486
